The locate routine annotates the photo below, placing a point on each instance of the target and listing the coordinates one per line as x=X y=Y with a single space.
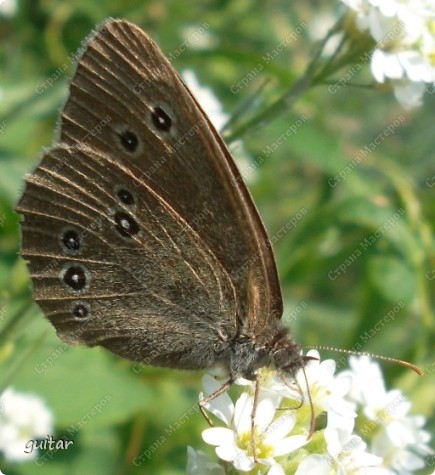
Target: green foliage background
x=397 y=267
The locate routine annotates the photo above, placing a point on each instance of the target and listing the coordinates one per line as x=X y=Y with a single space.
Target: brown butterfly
x=139 y=231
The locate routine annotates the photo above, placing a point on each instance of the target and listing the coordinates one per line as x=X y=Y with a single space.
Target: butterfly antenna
x=405 y=364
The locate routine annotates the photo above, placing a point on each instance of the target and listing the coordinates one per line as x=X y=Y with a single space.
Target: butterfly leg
x=212 y=396
x=254 y=409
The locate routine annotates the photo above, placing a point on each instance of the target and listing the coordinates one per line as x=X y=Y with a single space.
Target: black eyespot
x=161 y=119
x=75 y=277
x=125 y=224
x=125 y=196
x=70 y=241
x=129 y=140
x=80 y=310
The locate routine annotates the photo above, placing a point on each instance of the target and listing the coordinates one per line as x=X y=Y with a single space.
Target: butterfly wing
x=140 y=232
x=107 y=268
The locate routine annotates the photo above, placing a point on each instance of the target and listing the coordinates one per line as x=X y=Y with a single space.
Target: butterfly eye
x=125 y=196
x=71 y=241
x=161 y=119
x=80 y=310
x=129 y=141
x=125 y=224
x=76 y=277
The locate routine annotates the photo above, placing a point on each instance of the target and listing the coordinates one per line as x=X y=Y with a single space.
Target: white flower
x=234 y=444
x=403 y=461
x=404 y=31
x=278 y=434
x=409 y=94
x=218 y=117
x=197 y=37
x=327 y=391
x=8 y=8
x=23 y=417
x=198 y=463
x=349 y=451
x=394 y=442
x=394 y=435
x=346 y=454
x=207 y=100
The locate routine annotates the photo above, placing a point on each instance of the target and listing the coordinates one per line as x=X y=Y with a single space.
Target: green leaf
x=394 y=278
x=81 y=386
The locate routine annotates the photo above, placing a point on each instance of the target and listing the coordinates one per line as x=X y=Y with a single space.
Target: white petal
x=410 y=461
x=335 y=439
x=385 y=65
x=242 y=413
x=327 y=369
x=399 y=434
x=276 y=469
x=362 y=458
x=314 y=465
x=290 y=444
x=415 y=66
x=377 y=65
x=244 y=382
x=280 y=427
x=341 y=421
x=218 y=436
x=198 y=463
x=243 y=462
x=380 y=26
x=222 y=406
x=368 y=381
x=413 y=25
x=229 y=452
x=388 y=8
x=343 y=383
x=264 y=413
x=409 y=94
x=314 y=354
x=191 y=459
x=392 y=67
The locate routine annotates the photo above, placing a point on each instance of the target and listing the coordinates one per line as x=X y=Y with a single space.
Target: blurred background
x=324 y=191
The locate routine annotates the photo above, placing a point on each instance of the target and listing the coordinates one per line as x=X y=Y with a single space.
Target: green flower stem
x=347 y=52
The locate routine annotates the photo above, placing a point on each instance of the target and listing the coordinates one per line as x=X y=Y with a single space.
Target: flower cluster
x=357 y=429
x=8 y=8
x=22 y=417
x=404 y=32
x=394 y=435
